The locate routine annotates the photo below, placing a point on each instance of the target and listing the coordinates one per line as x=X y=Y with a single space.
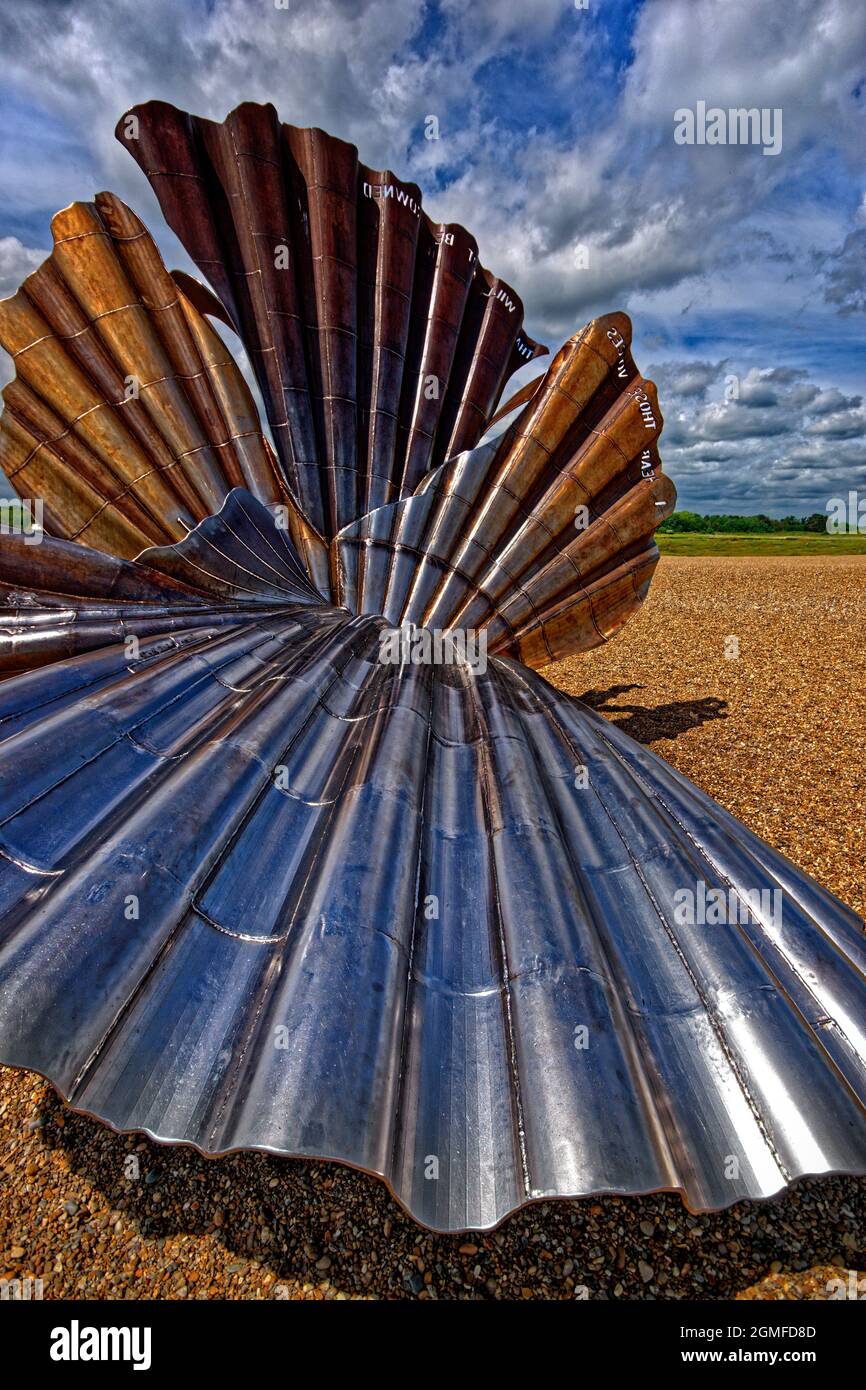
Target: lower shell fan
x=262 y=889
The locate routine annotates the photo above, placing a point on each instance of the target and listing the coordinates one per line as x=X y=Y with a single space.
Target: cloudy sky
x=743 y=272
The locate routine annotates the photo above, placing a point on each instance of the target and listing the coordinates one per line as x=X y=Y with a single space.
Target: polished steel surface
x=373 y=912
x=59 y=600
x=264 y=884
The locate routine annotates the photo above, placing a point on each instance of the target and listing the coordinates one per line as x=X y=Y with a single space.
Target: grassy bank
x=772 y=543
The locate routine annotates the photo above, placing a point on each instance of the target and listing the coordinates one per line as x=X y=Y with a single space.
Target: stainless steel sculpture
x=269 y=880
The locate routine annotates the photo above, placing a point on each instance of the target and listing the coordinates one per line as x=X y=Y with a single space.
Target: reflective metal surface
x=128 y=417
x=264 y=884
x=260 y=890
x=543 y=538
x=58 y=599
x=380 y=343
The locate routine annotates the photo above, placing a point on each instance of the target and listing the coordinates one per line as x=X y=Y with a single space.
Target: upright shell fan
x=379 y=342
x=275 y=874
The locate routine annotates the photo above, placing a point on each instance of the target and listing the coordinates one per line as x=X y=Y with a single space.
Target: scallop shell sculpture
x=297 y=851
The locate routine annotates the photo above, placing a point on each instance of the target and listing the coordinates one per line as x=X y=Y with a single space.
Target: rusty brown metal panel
x=389 y=224
x=335 y=358
x=488 y=334
x=543 y=538
x=127 y=414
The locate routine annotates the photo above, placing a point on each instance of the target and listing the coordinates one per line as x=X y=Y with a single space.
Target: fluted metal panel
x=127 y=417
x=542 y=539
x=234 y=566
x=378 y=340
x=374 y=914
x=241 y=554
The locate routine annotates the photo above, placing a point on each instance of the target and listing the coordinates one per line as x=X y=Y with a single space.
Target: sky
x=744 y=273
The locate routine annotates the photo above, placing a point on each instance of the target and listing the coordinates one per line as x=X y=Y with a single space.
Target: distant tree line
x=693 y=521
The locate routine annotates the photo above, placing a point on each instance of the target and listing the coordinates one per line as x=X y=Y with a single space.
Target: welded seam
x=489 y=781
x=408 y=997
x=189 y=894
x=124 y=733
x=228 y=1092
x=612 y=981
